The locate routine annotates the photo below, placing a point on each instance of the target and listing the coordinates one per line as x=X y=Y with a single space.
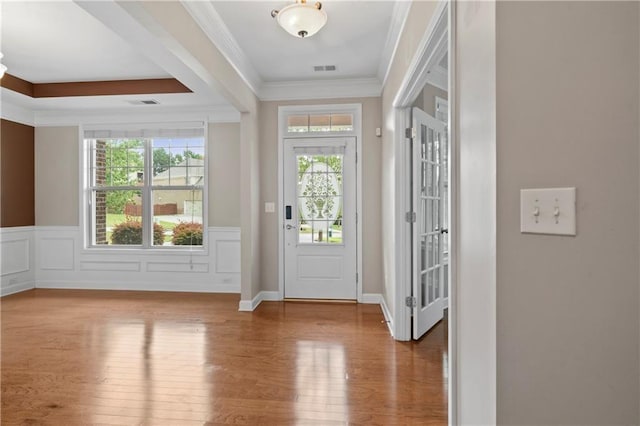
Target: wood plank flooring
x=142 y=358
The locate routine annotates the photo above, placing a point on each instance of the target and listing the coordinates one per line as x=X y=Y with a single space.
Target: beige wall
x=57 y=176
x=370 y=157
x=568 y=310
x=224 y=174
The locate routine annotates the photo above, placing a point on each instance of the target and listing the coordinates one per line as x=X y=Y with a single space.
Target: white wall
x=476 y=245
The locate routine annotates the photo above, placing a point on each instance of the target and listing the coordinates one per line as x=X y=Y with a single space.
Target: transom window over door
x=146 y=187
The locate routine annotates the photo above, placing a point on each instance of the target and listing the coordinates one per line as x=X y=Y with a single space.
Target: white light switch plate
x=555 y=208
x=269 y=207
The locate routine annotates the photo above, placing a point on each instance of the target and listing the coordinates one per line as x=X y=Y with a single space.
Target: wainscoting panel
x=15 y=256
x=56 y=253
x=17 y=259
x=62 y=262
x=227 y=256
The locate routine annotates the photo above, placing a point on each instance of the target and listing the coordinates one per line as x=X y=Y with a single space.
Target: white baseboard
x=378 y=299
x=371 y=298
x=387 y=315
x=17 y=288
x=251 y=305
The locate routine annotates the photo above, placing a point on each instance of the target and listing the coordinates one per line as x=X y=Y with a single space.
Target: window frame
x=147 y=189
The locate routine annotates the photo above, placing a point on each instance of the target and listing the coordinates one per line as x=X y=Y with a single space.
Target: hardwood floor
x=133 y=358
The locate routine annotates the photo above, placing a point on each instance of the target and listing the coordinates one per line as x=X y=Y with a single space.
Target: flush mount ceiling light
x=301 y=19
x=3 y=68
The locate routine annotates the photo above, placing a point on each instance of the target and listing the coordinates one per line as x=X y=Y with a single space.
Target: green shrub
x=130 y=233
x=187 y=234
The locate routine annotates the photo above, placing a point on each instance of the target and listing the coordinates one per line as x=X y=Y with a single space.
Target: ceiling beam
x=17 y=84
x=93 y=88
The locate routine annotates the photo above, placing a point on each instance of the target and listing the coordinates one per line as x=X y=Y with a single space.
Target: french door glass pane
x=320 y=195
x=177 y=217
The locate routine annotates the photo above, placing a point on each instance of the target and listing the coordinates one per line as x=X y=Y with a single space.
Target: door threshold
x=286 y=299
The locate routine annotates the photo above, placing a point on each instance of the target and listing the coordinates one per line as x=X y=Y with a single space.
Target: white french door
x=320 y=218
x=428 y=233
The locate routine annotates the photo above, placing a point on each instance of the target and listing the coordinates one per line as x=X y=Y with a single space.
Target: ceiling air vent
x=324 y=68
x=144 y=102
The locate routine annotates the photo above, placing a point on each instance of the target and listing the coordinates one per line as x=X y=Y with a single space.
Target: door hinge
x=410 y=132
x=410 y=217
x=410 y=301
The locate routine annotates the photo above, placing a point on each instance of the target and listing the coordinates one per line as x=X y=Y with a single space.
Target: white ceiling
x=353 y=39
x=47 y=42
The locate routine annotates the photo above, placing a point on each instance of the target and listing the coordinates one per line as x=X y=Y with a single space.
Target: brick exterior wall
x=101 y=197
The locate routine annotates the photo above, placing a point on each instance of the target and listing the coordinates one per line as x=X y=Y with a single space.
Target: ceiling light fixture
x=3 y=68
x=301 y=19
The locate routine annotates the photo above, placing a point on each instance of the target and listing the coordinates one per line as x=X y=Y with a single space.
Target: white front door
x=427 y=235
x=320 y=218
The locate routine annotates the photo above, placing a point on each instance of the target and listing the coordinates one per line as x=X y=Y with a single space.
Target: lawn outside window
x=146 y=187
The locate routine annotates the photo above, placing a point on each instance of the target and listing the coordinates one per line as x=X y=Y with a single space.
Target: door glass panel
x=423 y=254
x=423 y=291
x=423 y=216
x=430 y=285
x=429 y=172
x=431 y=145
x=423 y=178
x=320 y=195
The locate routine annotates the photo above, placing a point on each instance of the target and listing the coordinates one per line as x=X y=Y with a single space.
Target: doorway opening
x=425 y=148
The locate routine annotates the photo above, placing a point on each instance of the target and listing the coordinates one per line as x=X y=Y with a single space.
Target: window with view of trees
x=146 y=187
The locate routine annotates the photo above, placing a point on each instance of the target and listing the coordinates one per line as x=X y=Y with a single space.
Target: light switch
x=548 y=211
x=269 y=207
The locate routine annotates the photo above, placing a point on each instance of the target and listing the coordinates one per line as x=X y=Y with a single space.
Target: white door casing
x=427 y=236
x=319 y=206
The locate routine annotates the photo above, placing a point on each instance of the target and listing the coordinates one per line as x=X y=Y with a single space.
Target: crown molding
x=10 y=108
x=398 y=20
x=217 y=31
x=321 y=89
